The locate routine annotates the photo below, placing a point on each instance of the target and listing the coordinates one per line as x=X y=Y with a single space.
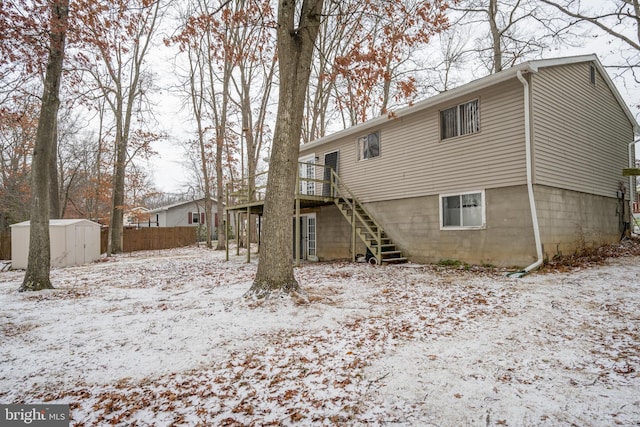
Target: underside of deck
x=306 y=201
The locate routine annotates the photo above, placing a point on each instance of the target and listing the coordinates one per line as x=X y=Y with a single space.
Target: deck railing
x=245 y=190
x=313 y=180
x=361 y=218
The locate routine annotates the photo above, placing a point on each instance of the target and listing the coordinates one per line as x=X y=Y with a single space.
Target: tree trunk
x=222 y=231
x=54 y=194
x=116 y=221
x=496 y=36
x=208 y=211
x=220 y=121
x=296 y=40
x=39 y=262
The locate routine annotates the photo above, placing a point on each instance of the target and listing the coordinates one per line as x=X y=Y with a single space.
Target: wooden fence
x=141 y=239
x=152 y=238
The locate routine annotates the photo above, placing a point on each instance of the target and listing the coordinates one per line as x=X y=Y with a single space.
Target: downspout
x=529 y=161
x=632 y=194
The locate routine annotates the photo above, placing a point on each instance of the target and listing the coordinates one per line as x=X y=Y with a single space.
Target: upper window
x=592 y=74
x=369 y=146
x=460 y=120
x=462 y=210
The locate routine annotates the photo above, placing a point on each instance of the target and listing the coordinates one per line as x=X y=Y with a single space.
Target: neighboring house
x=506 y=170
x=137 y=217
x=183 y=214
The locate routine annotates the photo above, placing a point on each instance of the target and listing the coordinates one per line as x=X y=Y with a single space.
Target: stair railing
x=341 y=191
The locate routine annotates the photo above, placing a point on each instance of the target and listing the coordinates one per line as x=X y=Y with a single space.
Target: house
x=506 y=170
x=137 y=217
x=73 y=242
x=183 y=214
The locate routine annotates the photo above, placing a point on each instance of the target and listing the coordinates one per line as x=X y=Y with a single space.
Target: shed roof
x=57 y=223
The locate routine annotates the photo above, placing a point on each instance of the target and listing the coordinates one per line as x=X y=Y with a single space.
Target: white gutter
x=529 y=161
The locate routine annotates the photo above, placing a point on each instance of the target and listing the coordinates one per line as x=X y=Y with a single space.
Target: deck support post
x=226 y=236
x=353 y=232
x=238 y=227
x=297 y=245
x=248 y=234
x=226 y=226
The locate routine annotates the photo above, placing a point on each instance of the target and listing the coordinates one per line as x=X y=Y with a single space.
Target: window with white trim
x=195 y=217
x=466 y=210
x=369 y=146
x=460 y=120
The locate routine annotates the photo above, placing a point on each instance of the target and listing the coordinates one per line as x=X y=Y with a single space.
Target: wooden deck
x=247 y=198
x=306 y=201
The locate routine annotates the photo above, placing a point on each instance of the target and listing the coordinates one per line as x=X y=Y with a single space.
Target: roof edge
x=529 y=66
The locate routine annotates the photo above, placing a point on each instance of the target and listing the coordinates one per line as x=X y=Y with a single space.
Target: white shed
x=73 y=242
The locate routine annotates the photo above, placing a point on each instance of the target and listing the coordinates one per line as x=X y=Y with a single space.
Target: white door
x=308 y=236
x=311 y=238
x=307 y=175
x=81 y=245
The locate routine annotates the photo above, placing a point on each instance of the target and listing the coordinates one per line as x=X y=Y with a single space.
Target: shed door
x=330 y=161
x=81 y=245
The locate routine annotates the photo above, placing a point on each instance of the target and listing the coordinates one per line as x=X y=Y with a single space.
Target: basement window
x=462 y=211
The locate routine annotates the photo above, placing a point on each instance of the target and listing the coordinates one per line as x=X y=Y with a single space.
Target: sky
x=171 y=175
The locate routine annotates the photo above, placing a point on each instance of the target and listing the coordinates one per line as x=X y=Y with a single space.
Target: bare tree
x=39 y=262
x=252 y=48
x=447 y=62
x=617 y=19
x=513 y=30
x=18 y=125
x=83 y=176
x=205 y=38
x=342 y=20
x=254 y=54
x=367 y=59
x=198 y=92
x=116 y=39
x=298 y=24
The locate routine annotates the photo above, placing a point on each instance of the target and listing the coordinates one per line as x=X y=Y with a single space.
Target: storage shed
x=73 y=242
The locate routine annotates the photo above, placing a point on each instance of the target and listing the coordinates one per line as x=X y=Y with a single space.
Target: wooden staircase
x=364 y=226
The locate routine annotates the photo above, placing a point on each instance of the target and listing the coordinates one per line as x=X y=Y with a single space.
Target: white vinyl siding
x=580 y=132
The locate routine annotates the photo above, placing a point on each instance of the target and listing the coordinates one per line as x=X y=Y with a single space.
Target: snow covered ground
x=166 y=338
